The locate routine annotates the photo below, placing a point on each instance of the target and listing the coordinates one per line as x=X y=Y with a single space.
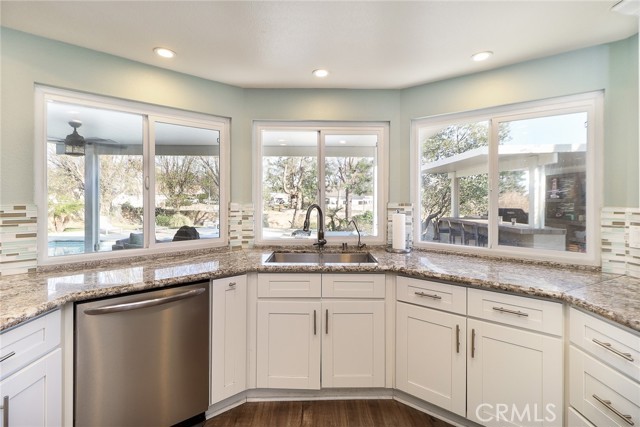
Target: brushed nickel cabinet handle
x=608 y=346
x=457 y=338
x=232 y=284
x=326 y=321
x=607 y=403
x=506 y=310
x=5 y=411
x=433 y=296
x=473 y=343
x=8 y=355
x=314 y=322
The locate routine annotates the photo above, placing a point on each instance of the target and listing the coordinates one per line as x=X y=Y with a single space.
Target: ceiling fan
x=75 y=144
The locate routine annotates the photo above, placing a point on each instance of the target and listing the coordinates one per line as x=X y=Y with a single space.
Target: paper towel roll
x=398 y=231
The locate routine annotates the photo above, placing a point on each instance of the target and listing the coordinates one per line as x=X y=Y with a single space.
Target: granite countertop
x=25 y=296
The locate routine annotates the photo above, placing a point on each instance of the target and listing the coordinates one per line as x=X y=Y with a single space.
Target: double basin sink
x=321 y=258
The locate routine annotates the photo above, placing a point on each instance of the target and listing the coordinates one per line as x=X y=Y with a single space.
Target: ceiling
x=364 y=44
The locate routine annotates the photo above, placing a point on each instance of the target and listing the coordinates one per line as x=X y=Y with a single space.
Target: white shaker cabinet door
x=32 y=397
x=228 y=337
x=353 y=344
x=514 y=376
x=288 y=349
x=431 y=356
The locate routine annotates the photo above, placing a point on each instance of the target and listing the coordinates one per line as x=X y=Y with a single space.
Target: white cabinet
x=514 y=360
x=31 y=373
x=604 y=396
x=300 y=335
x=32 y=396
x=495 y=358
x=431 y=356
x=228 y=337
x=431 y=344
x=514 y=376
x=604 y=374
x=288 y=349
x=353 y=346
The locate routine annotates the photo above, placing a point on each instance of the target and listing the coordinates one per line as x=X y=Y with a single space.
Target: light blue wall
x=27 y=60
x=331 y=105
x=612 y=67
x=621 y=160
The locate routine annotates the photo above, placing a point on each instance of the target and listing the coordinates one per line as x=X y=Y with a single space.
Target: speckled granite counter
x=23 y=297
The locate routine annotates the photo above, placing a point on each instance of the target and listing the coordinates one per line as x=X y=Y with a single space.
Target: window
x=120 y=176
x=515 y=180
x=339 y=168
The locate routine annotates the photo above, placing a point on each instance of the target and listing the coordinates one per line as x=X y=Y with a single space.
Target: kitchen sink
x=321 y=258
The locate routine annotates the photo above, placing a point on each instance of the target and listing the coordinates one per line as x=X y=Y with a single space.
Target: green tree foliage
x=436 y=194
x=473 y=189
x=351 y=175
x=177 y=179
x=64 y=211
x=295 y=176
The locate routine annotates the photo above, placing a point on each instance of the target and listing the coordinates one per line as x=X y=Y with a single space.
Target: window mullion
x=493 y=182
x=149 y=182
x=321 y=169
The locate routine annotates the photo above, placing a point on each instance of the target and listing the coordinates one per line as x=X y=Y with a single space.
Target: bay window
x=517 y=180
x=117 y=176
x=337 y=166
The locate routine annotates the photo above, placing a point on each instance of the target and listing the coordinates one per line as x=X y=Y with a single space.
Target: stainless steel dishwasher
x=142 y=359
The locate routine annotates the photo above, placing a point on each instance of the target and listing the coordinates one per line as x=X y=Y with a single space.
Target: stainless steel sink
x=320 y=258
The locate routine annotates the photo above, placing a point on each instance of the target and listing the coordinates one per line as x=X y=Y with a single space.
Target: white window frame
x=592 y=103
x=324 y=128
x=151 y=114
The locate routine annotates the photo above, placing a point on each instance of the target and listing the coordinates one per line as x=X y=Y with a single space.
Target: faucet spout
x=360 y=245
x=321 y=240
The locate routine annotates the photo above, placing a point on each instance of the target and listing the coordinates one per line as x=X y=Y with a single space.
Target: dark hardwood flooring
x=325 y=413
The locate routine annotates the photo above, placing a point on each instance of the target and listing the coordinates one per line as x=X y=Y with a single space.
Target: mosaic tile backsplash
x=241 y=226
x=617 y=256
x=18 y=236
x=407 y=209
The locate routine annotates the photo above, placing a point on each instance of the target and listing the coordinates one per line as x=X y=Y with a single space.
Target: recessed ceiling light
x=164 y=52
x=320 y=73
x=482 y=56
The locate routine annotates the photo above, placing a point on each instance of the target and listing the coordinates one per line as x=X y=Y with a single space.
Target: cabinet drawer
x=574 y=419
x=353 y=285
x=289 y=285
x=604 y=396
x=432 y=294
x=25 y=343
x=529 y=313
x=612 y=345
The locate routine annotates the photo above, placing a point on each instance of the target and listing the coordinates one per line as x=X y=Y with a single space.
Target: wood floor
x=325 y=413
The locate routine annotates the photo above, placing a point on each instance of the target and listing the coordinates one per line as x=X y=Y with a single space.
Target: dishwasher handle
x=143 y=304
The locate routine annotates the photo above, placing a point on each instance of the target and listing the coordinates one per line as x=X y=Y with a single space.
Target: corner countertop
x=25 y=296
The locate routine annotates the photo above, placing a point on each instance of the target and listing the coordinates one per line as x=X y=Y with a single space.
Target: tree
x=293 y=176
x=353 y=175
x=118 y=175
x=436 y=197
x=473 y=189
x=210 y=181
x=62 y=212
x=177 y=178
